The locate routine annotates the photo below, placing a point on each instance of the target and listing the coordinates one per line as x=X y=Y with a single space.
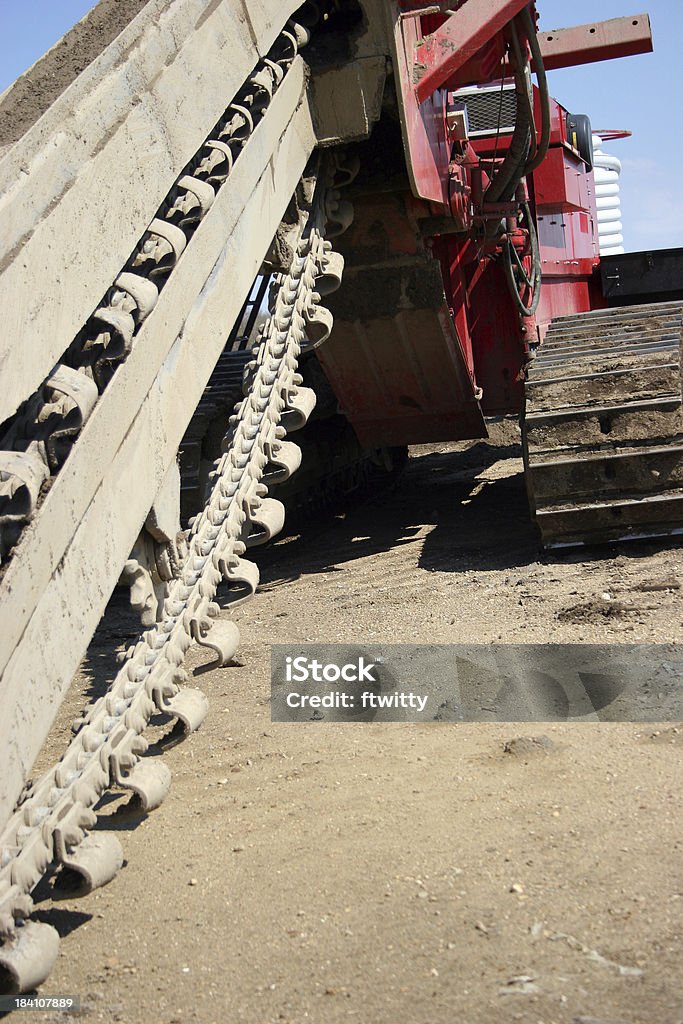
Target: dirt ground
x=397 y=873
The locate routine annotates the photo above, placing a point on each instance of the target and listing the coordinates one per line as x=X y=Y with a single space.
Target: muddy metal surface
x=30 y=96
x=394 y=873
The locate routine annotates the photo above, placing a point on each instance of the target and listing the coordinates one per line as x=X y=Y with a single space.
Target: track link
x=603 y=427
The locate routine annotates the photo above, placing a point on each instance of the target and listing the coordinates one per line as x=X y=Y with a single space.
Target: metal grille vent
x=486 y=106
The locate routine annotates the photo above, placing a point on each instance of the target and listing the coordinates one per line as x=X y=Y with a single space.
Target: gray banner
x=477 y=683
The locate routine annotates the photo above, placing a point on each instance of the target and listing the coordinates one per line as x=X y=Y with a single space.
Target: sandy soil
x=394 y=873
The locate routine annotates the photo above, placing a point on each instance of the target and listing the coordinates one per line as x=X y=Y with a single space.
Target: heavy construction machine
x=193 y=192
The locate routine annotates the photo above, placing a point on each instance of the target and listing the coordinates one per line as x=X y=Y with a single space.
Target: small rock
x=193 y=881
x=522 y=984
x=516 y=887
x=673 y=736
x=528 y=746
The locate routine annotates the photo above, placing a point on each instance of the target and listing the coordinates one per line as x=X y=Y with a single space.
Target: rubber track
x=603 y=427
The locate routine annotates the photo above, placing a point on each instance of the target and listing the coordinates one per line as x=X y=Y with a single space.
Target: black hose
x=539 y=68
x=518 y=161
x=522 y=61
x=505 y=181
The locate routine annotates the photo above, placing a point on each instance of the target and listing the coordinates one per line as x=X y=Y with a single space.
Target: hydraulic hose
x=506 y=180
x=524 y=154
x=539 y=68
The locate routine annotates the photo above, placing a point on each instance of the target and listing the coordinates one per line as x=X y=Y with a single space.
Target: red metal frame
x=493 y=335
x=424 y=130
x=440 y=55
x=431 y=373
x=396 y=360
x=598 y=41
x=435 y=53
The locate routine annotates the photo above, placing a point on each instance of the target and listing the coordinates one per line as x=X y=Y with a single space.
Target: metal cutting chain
x=58 y=809
x=38 y=441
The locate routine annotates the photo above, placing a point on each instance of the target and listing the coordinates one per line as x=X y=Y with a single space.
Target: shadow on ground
x=477 y=520
x=475 y=524
x=464 y=510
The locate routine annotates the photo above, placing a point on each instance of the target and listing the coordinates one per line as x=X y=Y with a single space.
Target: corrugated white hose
x=607 y=170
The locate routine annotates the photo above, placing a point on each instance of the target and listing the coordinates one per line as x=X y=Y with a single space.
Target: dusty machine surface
x=357 y=223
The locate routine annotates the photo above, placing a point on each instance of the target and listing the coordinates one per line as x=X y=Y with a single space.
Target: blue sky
x=639 y=93
x=643 y=94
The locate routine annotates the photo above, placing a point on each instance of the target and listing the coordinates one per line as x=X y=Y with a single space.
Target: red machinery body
x=452 y=345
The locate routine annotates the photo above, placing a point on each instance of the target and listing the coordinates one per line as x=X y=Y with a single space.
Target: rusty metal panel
x=403 y=379
x=424 y=132
x=394 y=360
x=600 y=40
x=459 y=39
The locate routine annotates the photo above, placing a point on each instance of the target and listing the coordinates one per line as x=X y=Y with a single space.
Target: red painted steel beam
x=443 y=52
x=601 y=40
